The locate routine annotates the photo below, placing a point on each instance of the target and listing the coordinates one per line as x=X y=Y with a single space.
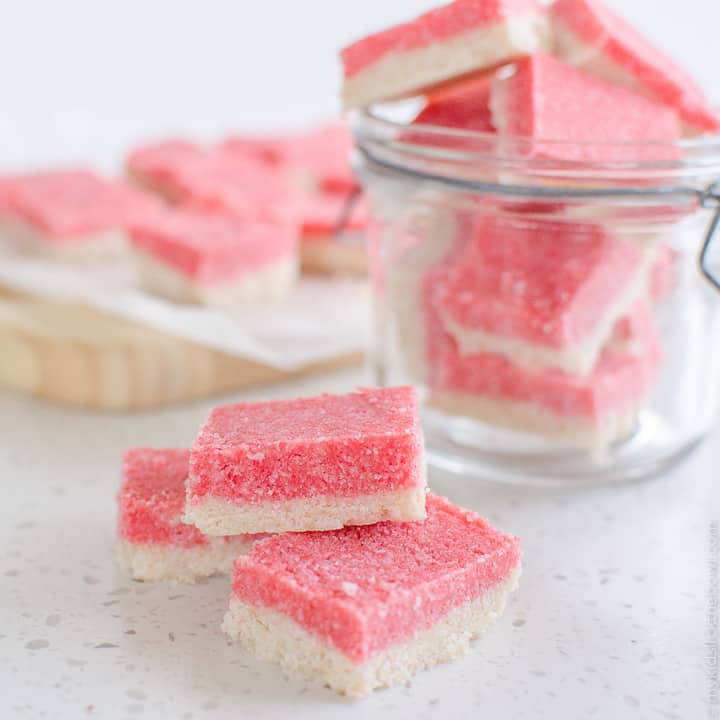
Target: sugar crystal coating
x=539 y=281
x=321 y=155
x=364 y=589
x=213 y=248
x=243 y=187
x=663 y=275
x=65 y=204
x=361 y=443
x=158 y=164
x=152 y=499
x=324 y=154
x=163 y=156
x=270 y=149
x=435 y=26
x=241 y=184
x=611 y=47
x=620 y=379
x=594 y=120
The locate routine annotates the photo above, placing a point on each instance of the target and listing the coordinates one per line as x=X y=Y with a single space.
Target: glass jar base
x=478 y=451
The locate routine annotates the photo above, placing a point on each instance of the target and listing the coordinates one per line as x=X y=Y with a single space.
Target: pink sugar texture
x=270 y=149
x=152 y=499
x=663 y=275
x=441 y=24
x=324 y=155
x=210 y=180
x=608 y=37
x=362 y=590
x=243 y=187
x=621 y=378
x=321 y=156
x=159 y=164
x=67 y=204
x=358 y=444
x=464 y=105
x=548 y=100
x=213 y=248
x=538 y=281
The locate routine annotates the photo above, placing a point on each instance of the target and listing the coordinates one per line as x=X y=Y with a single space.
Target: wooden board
x=72 y=355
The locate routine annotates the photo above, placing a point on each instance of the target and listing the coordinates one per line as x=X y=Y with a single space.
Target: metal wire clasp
x=710 y=198
x=348 y=207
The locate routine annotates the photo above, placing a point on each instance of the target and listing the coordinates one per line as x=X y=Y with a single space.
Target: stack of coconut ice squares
x=344 y=567
x=533 y=314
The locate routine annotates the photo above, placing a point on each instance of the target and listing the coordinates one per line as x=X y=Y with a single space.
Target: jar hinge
x=710 y=198
x=348 y=207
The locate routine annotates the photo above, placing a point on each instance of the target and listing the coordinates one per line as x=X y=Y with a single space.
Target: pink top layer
x=152 y=499
x=322 y=155
x=68 y=205
x=271 y=149
x=435 y=26
x=662 y=276
x=158 y=164
x=213 y=248
x=322 y=216
x=648 y=69
x=362 y=590
x=358 y=444
x=240 y=186
x=547 y=99
x=537 y=281
x=248 y=174
x=464 y=105
x=620 y=379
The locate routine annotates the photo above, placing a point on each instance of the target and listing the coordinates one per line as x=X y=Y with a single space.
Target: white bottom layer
x=82 y=248
x=325 y=256
x=579 y=359
x=574 y=430
x=270 y=282
x=277 y=638
x=222 y=517
x=400 y=74
x=438 y=230
x=188 y=565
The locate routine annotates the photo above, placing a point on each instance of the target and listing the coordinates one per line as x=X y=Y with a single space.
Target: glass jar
x=545 y=297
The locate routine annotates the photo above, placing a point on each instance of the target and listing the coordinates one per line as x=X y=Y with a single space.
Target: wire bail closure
x=709 y=198
x=348 y=208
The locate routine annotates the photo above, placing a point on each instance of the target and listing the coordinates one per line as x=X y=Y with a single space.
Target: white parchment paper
x=321 y=319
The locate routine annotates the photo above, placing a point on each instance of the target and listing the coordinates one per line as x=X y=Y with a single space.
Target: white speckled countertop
x=611 y=619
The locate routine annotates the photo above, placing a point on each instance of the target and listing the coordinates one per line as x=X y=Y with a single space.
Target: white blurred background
x=81 y=79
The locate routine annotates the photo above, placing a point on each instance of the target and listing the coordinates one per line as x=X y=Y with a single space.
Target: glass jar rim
x=694 y=161
x=692 y=177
